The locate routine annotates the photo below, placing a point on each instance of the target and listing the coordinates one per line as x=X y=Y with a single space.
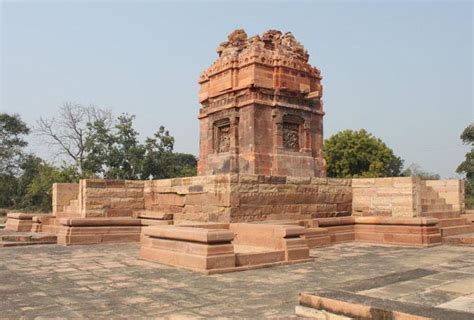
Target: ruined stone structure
x=261 y=109
x=261 y=197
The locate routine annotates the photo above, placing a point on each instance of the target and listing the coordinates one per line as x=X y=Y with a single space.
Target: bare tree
x=68 y=131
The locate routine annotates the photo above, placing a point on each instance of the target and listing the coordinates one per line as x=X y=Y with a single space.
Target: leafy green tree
x=30 y=167
x=352 y=153
x=467 y=166
x=159 y=155
x=128 y=152
x=38 y=194
x=114 y=153
x=98 y=145
x=12 y=143
x=185 y=165
x=8 y=193
x=161 y=162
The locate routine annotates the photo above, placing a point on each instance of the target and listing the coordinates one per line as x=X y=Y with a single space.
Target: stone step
x=452 y=222
x=468 y=216
x=153 y=214
x=452 y=231
x=436 y=207
x=466 y=239
x=429 y=194
x=432 y=201
x=26 y=239
x=441 y=215
x=73 y=207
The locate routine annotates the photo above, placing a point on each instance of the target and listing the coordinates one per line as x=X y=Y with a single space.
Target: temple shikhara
x=261 y=109
x=261 y=197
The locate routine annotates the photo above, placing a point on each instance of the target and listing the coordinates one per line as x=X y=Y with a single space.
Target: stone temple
x=261 y=109
x=261 y=197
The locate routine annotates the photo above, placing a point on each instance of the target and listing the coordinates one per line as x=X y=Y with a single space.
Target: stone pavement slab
x=110 y=281
x=465 y=303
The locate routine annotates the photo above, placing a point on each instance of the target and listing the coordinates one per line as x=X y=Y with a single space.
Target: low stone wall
x=63 y=193
x=452 y=191
x=339 y=229
x=416 y=232
x=224 y=248
x=20 y=222
x=197 y=249
x=110 y=198
x=76 y=231
x=396 y=197
x=422 y=232
x=259 y=198
x=201 y=199
x=244 y=198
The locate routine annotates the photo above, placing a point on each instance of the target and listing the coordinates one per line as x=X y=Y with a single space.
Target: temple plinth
x=261 y=109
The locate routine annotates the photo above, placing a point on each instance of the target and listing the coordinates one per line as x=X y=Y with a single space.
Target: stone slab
x=189 y=234
x=359 y=306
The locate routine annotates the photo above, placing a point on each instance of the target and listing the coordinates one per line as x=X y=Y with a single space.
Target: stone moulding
x=98 y=230
x=417 y=232
x=39 y=220
x=210 y=249
x=20 y=222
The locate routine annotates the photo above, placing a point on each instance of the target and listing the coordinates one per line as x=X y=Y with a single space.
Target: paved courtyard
x=47 y=281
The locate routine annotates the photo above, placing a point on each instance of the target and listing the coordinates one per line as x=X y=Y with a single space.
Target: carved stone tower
x=261 y=109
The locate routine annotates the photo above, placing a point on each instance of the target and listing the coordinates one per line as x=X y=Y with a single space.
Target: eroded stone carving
x=223 y=134
x=291 y=136
x=271 y=39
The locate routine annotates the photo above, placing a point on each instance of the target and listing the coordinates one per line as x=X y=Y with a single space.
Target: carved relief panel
x=221 y=135
x=291 y=136
x=223 y=138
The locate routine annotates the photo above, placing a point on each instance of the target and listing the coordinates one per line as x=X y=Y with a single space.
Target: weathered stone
x=275 y=141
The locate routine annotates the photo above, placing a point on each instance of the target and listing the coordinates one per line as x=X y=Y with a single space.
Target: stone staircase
x=51 y=225
x=454 y=228
x=73 y=210
x=432 y=202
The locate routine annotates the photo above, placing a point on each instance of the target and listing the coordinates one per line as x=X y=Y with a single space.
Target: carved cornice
x=260 y=96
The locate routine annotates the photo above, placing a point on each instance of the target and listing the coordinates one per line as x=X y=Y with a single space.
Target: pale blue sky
x=402 y=70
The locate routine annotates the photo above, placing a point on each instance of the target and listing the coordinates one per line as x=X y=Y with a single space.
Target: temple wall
x=201 y=198
x=259 y=198
x=452 y=191
x=63 y=193
x=110 y=198
x=243 y=198
x=396 y=197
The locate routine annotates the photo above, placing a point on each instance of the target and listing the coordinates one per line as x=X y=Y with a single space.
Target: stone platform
x=111 y=281
x=18 y=221
x=224 y=248
x=98 y=230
